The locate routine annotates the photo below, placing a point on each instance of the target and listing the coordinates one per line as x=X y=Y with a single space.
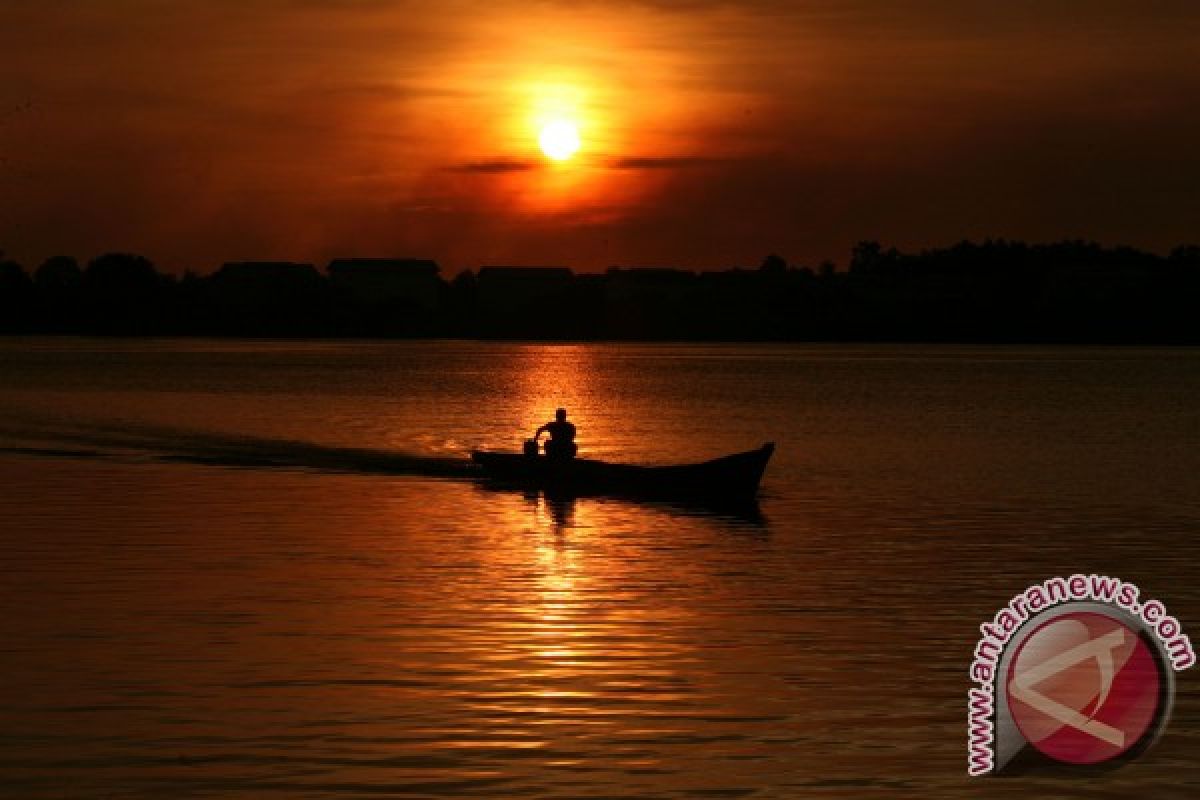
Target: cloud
x=665 y=162
x=497 y=166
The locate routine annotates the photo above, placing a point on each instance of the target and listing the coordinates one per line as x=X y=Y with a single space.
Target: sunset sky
x=710 y=133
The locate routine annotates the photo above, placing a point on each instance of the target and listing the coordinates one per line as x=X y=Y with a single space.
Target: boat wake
x=148 y=443
x=128 y=443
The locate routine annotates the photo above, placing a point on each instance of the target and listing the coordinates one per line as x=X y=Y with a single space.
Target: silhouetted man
x=562 y=436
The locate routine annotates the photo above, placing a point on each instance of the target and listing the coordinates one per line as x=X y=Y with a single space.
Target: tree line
x=990 y=291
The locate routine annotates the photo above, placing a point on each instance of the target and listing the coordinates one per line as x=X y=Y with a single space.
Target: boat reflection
x=579 y=655
x=562 y=507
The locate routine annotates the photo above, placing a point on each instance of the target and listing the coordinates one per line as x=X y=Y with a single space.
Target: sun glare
x=559 y=139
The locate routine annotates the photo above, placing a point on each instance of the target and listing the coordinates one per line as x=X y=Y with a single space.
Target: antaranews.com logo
x=1077 y=668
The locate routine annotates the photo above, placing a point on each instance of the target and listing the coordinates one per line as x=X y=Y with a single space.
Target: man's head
x=561 y=415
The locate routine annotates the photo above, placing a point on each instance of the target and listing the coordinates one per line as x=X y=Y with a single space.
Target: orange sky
x=713 y=133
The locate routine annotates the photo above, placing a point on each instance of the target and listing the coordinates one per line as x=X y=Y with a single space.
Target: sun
x=559 y=139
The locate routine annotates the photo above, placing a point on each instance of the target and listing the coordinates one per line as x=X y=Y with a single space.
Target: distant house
x=642 y=284
x=509 y=289
x=649 y=301
x=382 y=281
x=253 y=274
x=251 y=298
x=265 y=279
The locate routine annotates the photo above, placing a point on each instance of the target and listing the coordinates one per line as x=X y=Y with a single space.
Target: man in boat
x=561 y=443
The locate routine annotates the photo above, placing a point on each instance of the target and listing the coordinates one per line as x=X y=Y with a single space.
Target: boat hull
x=733 y=477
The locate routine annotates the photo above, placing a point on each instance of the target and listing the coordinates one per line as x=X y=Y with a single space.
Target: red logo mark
x=1084 y=688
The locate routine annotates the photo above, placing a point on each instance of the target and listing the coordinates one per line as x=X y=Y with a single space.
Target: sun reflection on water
x=549 y=377
x=583 y=658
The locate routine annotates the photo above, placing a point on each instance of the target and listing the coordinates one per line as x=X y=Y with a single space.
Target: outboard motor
x=531 y=448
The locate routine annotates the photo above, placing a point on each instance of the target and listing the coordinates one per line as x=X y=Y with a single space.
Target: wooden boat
x=729 y=478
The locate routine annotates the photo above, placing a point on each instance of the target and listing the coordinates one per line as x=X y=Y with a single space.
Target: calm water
x=209 y=587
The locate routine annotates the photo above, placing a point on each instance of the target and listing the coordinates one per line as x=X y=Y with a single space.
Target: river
x=211 y=589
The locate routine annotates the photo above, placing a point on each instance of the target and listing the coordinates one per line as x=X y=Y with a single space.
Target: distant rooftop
x=651 y=274
x=383 y=265
x=273 y=270
x=526 y=273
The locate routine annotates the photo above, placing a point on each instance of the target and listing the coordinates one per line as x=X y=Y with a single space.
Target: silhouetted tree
x=121 y=273
x=995 y=290
x=774 y=265
x=461 y=304
x=13 y=277
x=59 y=287
x=58 y=274
x=1186 y=254
x=16 y=297
x=261 y=299
x=124 y=295
x=865 y=256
